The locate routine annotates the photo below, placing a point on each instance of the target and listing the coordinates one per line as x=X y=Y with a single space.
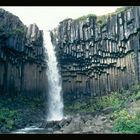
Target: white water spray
x=55 y=100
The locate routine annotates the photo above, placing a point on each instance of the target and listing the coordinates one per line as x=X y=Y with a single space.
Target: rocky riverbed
x=77 y=124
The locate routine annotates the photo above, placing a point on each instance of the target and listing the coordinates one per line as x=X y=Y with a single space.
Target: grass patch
x=14 y=111
x=101 y=19
x=126 y=122
x=117 y=100
x=85 y=17
x=94 y=104
x=7 y=118
x=126 y=118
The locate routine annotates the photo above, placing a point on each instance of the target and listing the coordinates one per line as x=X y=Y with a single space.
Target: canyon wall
x=98 y=55
x=22 y=58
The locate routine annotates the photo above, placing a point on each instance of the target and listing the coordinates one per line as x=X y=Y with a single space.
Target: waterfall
x=55 y=100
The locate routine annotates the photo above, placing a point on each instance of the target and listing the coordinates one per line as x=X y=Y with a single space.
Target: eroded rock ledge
x=96 y=56
x=22 y=57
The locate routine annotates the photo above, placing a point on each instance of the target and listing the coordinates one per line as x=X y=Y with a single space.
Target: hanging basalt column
x=104 y=57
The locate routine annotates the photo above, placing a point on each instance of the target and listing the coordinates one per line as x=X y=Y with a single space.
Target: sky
x=48 y=17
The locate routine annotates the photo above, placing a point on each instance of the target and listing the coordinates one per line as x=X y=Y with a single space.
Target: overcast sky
x=48 y=17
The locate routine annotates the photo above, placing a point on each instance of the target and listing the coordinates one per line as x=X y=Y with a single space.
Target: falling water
x=55 y=101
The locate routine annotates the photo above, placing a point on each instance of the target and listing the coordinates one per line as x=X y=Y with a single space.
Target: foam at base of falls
x=27 y=129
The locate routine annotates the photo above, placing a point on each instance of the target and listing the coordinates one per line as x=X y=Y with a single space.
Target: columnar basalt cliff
x=98 y=55
x=22 y=57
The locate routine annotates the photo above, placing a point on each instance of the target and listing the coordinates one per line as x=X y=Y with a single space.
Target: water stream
x=55 y=100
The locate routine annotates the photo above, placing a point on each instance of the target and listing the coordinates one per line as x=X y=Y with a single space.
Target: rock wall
x=22 y=57
x=96 y=56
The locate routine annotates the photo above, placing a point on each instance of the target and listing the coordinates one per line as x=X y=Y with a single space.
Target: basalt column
x=96 y=56
x=22 y=58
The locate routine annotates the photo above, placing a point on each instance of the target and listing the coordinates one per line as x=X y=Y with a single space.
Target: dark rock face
x=97 y=59
x=22 y=57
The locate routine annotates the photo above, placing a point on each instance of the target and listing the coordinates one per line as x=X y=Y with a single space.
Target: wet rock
x=107 y=110
x=98 y=122
x=90 y=122
x=75 y=125
x=107 y=131
x=50 y=129
x=50 y=124
x=57 y=132
x=89 y=129
x=85 y=118
x=65 y=122
x=137 y=98
x=103 y=118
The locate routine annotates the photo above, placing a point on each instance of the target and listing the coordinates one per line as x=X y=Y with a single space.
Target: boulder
x=108 y=110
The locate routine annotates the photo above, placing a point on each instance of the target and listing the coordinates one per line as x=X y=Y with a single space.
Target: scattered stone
x=86 y=118
x=108 y=125
x=49 y=129
x=65 y=122
x=75 y=125
x=137 y=98
x=89 y=129
x=102 y=118
x=108 y=110
x=107 y=131
x=57 y=132
x=98 y=122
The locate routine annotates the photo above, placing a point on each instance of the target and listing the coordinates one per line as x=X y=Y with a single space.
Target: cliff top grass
x=85 y=17
x=101 y=19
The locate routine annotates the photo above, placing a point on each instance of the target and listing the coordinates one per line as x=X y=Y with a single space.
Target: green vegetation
x=101 y=19
x=17 y=31
x=126 y=123
x=14 y=111
x=95 y=104
x=7 y=118
x=32 y=103
x=6 y=32
x=112 y=100
x=22 y=101
x=125 y=114
x=127 y=119
x=119 y=10
x=85 y=17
